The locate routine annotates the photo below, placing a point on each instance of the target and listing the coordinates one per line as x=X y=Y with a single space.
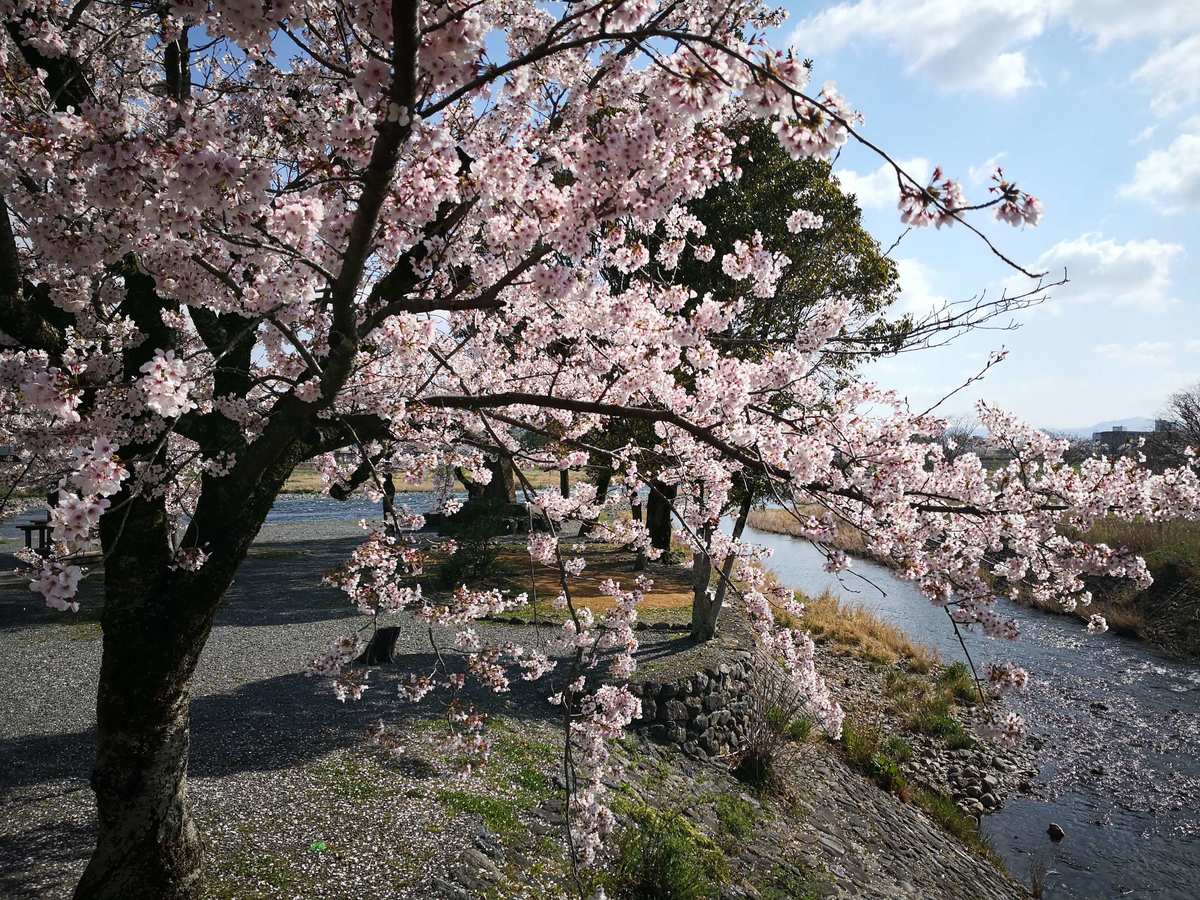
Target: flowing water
x=1120 y=767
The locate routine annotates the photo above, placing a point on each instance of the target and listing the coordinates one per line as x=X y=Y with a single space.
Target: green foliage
x=957 y=679
x=783 y=722
x=876 y=757
x=861 y=742
x=943 y=810
x=791 y=884
x=800 y=728
x=661 y=856
x=839 y=259
x=498 y=813
x=735 y=814
x=475 y=529
x=755 y=770
x=898 y=748
x=936 y=720
x=350 y=779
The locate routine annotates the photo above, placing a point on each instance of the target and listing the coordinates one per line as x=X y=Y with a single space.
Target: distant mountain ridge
x=1136 y=423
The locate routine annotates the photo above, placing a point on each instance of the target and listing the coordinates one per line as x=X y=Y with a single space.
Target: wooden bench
x=42 y=527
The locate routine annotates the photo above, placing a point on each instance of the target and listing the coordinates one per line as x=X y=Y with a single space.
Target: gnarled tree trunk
x=156 y=621
x=706 y=608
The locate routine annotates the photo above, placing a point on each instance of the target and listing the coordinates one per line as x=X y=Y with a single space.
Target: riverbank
x=1166 y=615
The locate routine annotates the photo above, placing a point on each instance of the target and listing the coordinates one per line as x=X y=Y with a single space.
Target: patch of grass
x=926 y=705
x=851 y=629
x=735 y=814
x=938 y=722
x=800 y=729
x=876 y=757
x=861 y=742
x=522 y=760
x=897 y=748
x=792 y=884
x=662 y=856
x=943 y=810
x=350 y=779
x=84 y=631
x=252 y=876
x=498 y=814
x=957 y=679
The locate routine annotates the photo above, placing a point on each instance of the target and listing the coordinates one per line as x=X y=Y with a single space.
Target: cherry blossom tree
x=235 y=236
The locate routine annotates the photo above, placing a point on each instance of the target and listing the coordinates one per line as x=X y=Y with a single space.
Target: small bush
x=898 y=748
x=735 y=814
x=776 y=715
x=875 y=757
x=791 y=884
x=800 y=729
x=887 y=774
x=861 y=740
x=958 y=680
x=661 y=856
x=478 y=552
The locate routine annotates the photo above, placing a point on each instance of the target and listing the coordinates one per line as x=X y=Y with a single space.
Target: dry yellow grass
x=305 y=480
x=672 y=589
x=851 y=629
x=780 y=521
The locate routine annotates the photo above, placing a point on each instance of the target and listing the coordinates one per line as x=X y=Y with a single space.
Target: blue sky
x=1091 y=105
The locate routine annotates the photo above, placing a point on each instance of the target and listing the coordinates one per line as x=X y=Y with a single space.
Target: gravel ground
x=284 y=787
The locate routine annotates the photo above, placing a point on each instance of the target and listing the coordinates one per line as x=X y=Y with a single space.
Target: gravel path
x=271 y=748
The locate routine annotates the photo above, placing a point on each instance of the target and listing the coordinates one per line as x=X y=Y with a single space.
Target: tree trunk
x=706 y=610
x=603 y=479
x=503 y=485
x=154 y=628
x=658 y=516
x=564 y=483
x=156 y=620
x=704 y=619
x=382 y=647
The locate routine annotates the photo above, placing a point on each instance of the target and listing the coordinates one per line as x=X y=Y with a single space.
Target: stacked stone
x=704 y=714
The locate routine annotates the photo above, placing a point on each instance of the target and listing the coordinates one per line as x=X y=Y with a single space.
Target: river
x=1120 y=768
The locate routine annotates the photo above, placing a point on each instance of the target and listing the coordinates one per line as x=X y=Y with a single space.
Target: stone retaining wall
x=704 y=713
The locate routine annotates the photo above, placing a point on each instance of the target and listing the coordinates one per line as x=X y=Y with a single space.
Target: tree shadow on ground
x=45 y=851
x=289 y=720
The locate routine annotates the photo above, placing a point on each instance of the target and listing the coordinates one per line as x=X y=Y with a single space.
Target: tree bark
x=706 y=610
x=564 y=483
x=146 y=845
x=658 y=515
x=156 y=621
x=704 y=619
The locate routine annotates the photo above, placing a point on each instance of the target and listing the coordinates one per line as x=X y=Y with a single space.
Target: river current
x=1120 y=763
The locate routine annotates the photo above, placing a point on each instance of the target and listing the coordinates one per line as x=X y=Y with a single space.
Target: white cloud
x=960 y=45
x=982 y=173
x=1103 y=271
x=981 y=46
x=917 y=295
x=1169 y=179
x=1110 y=21
x=1143 y=353
x=878 y=188
x=1172 y=76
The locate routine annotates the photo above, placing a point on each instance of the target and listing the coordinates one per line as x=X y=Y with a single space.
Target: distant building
x=1119 y=437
